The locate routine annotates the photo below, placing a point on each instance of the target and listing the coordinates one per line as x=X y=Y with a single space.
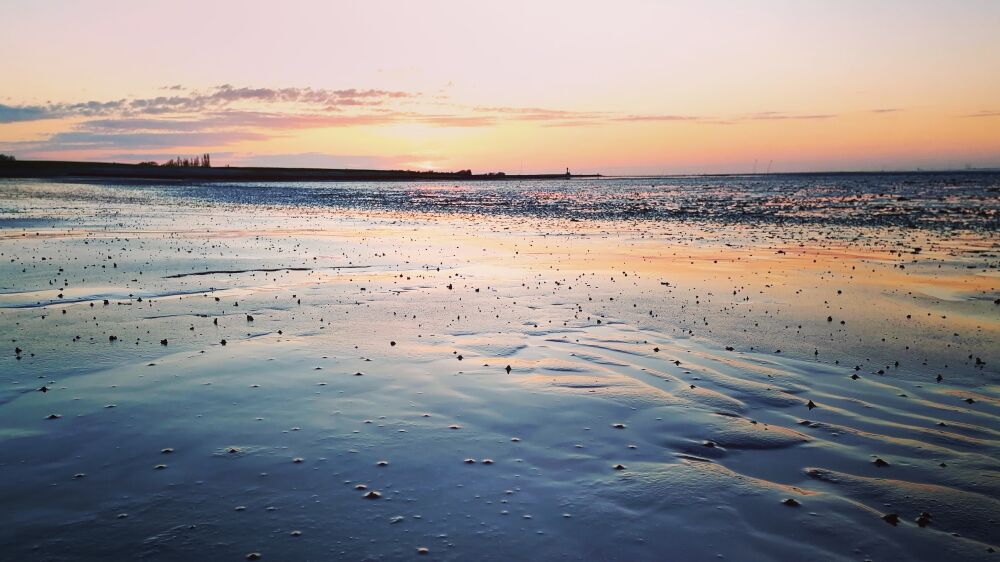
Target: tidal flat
x=476 y=373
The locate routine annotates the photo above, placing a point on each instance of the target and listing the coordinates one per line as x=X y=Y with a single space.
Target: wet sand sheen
x=323 y=385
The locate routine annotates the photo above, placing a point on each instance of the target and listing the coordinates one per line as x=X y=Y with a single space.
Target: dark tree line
x=7 y=158
x=203 y=161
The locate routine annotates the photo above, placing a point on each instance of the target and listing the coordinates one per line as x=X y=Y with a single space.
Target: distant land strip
x=108 y=170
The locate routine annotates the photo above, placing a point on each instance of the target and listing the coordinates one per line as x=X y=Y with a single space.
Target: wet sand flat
x=191 y=376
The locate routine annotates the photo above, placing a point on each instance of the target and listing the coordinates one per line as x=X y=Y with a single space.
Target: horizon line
x=502 y=174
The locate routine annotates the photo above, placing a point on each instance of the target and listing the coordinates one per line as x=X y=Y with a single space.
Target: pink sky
x=623 y=87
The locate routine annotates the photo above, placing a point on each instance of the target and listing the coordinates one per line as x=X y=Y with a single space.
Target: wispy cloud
x=781 y=116
x=984 y=113
x=656 y=118
x=85 y=140
x=454 y=120
x=568 y=118
x=215 y=99
x=539 y=113
x=19 y=113
x=220 y=116
x=238 y=119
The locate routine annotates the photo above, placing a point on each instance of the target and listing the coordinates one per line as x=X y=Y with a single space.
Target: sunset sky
x=613 y=87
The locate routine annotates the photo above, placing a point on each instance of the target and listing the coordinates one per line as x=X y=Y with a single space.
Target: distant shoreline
x=56 y=169
x=108 y=170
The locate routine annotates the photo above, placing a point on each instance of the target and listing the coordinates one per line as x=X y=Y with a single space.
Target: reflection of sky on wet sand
x=685 y=353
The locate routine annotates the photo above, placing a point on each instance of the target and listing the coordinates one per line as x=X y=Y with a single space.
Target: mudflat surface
x=537 y=371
